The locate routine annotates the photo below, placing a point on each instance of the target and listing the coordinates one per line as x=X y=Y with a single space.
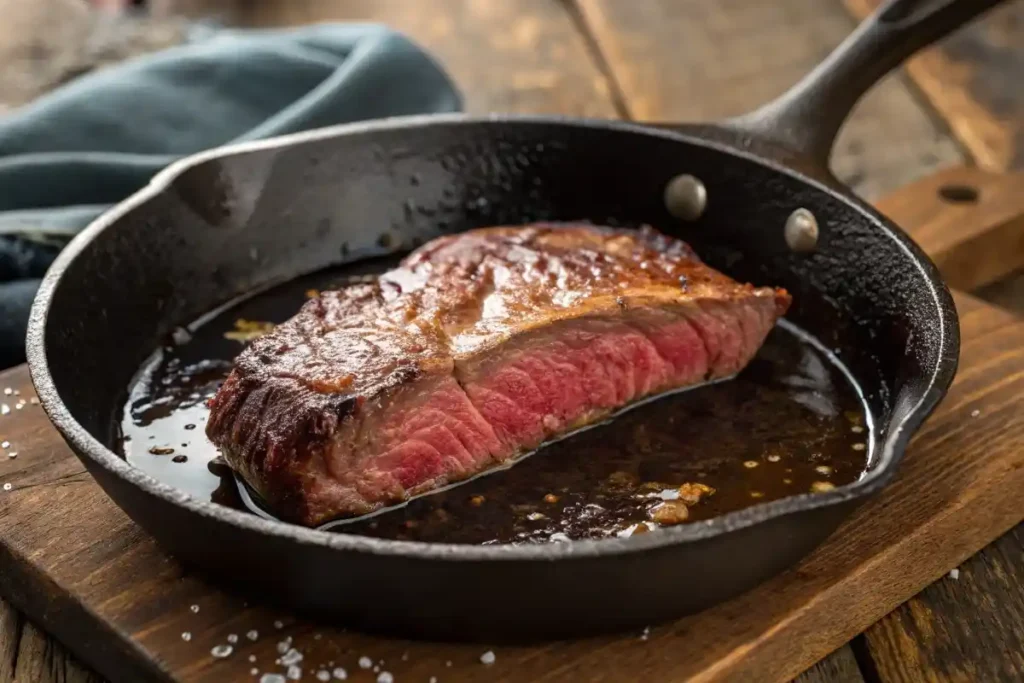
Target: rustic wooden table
x=961 y=102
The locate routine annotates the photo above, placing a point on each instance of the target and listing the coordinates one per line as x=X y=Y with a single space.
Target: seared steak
x=477 y=348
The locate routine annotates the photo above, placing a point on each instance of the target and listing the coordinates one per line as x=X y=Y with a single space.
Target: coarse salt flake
x=294 y=672
x=365 y=662
x=488 y=657
x=221 y=651
x=339 y=674
x=293 y=656
x=323 y=675
x=385 y=677
x=954 y=573
x=252 y=635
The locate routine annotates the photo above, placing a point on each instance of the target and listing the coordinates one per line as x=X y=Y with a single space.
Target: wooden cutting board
x=75 y=564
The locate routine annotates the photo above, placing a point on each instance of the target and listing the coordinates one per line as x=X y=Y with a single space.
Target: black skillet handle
x=807 y=117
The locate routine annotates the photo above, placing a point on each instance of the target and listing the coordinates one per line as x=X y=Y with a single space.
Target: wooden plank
x=968 y=628
x=969 y=221
x=45 y=43
x=973 y=79
x=522 y=56
x=839 y=667
x=1008 y=293
x=692 y=60
x=90 y=578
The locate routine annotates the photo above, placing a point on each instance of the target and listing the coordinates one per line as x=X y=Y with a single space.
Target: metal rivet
x=686 y=197
x=802 y=231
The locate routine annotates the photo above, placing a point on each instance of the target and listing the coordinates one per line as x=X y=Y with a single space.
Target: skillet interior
x=226 y=223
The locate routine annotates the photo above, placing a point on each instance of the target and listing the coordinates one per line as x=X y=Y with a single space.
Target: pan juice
x=793 y=422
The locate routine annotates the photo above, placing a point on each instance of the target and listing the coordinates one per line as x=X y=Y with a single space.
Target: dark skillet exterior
x=234 y=220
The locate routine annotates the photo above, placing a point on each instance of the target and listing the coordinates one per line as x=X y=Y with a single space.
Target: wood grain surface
x=971 y=222
x=693 y=60
x=522 y=56
x=928 y=638
x=973 y=79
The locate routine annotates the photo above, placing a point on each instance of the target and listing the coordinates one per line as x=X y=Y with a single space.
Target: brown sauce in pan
x=792 y=422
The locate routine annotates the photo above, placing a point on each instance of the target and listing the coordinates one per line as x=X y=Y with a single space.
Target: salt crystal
x=376 y=669
x=317 y=636
x=12 y=454
x=323 y=675
x=254 y=671
x=195 y=609
x=252 y=658
x=284 y=645
x=339 y=674
x=19 y=405
x=221 y=651
x=252 y=635
x=433 y=679
x=8 y=391
x=294 y=672
x=186 y=636
x=293 y=656
x=278 y=624
x=975 y=413
x=405 y=656
x=17 y=392
x=646 y=634
x=487 y=657
x=4 y=409
x=954 y=573
x=272 y=678
x=448 y=663
x=365 y=662
x=385 y=677
x=232 y=638
x=5 y=444
x=34 y=401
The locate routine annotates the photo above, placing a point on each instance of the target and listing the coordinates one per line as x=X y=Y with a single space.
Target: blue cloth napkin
x=71 y=154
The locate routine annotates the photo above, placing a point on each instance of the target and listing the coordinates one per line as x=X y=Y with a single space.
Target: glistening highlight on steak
x=476 y=349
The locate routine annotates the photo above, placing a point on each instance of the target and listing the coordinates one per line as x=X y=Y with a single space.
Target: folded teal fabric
x=71 y=154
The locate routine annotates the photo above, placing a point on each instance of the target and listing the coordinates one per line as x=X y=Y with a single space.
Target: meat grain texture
x=477 y=348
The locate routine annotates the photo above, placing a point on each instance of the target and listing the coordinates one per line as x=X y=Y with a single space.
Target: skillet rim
x=890 y=454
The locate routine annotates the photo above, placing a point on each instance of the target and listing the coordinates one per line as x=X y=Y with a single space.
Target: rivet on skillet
x=802 y=231
x=686 y=197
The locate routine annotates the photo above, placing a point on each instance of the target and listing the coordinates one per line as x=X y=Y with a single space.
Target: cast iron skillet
x=231 y=220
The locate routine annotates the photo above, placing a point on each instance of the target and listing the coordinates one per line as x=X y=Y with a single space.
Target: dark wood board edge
x=87 y=635
x=967 y=628
x=839 y=667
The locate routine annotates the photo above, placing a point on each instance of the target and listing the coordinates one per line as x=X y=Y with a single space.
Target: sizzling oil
x=791 y=422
